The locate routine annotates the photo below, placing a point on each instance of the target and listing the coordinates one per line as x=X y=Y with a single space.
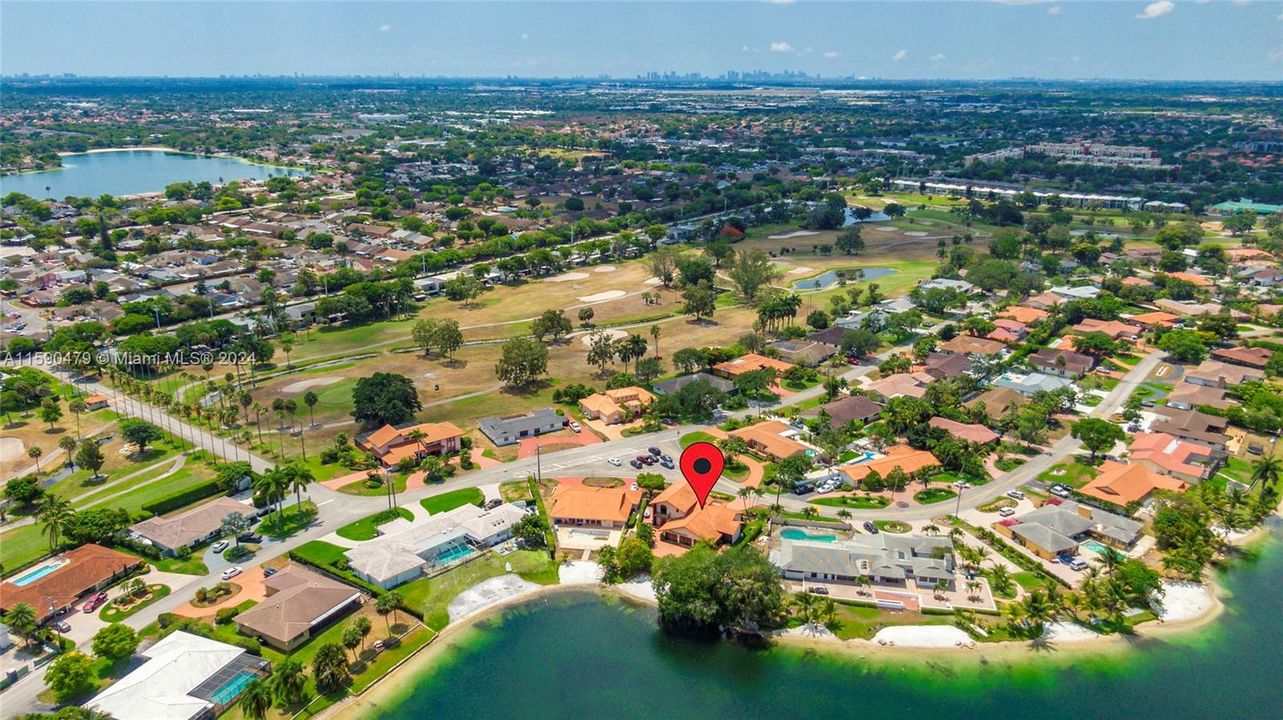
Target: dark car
x=492 y=503
x=870 y=528
x=819 y=590
x=268 y=572
x=667 y=463
x=636 y=464
x=648 y=459
x=803 y=488
x=250 y=537
x=655 y=451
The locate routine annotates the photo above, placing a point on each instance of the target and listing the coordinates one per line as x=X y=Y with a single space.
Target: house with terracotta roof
x=1007 y=331
x=1114 y=329
x=966 y=432
x=1181 y=459
x=298 y=603
x=1156 y=319
x=58 y=582
x=598 y=507
x=969 y=345
x=1253 y=357
x=891 y=386
x=747 y=363
x=1195 y=280
x=1025 y=315
x=680 y=520
x=617 y=405
x=1124 y=483
x=772 y=438
x=95 y=402
x=393 y=443
x=1214 y=373
x=1063 y=363
x=908 y=459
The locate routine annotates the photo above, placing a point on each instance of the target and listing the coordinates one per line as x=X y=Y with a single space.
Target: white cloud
x=938 y=57
x=385 y=28
x=1155 y=9
x=1053 y=10
x=1280 y=17
x=832 y=54
x=525 y=36
x=900 y=55
x=781 y=47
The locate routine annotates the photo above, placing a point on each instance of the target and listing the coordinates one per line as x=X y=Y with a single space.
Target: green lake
x=579 y=655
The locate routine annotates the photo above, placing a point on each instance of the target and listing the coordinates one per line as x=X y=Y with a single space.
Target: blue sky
x=1064 y=39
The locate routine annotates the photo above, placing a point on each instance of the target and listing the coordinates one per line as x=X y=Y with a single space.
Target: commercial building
x=510 y=431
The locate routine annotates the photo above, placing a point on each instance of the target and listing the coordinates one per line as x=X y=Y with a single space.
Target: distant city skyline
x=980 y=40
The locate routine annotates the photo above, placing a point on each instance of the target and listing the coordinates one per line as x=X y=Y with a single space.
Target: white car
x=1016 y=495
x=575 y=427
x=961 y=484
x=219 y=546
x=232 y=572
x=614 y=461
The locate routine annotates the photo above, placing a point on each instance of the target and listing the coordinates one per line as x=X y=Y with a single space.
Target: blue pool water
x=1095 y=547
x=796 y=534
x=232 y=688
x=35 y=574
x=454 y=553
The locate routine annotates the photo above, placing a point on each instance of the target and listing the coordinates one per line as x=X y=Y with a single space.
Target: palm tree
x=1000 y=579
x=363 y=626
x=67 y=444
x=273 y=485
x=654 y=335
x=256 y=700
x=288 y=682
x=1267 y=471
x=310 y=399
x=351 y=639
x=76 y=406
x=34 y=453
x=300 y=478
x=55 y=515
x=388 y=604
x=21 y=618
x=931 y=529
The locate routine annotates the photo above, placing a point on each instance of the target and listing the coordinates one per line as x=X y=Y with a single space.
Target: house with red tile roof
x=771 y=438
x=58 y=582
x=1125 y=483
x=909 y=460
x=1181 y=459
x=588 y=506
x=1255 y=357
x=1114 y=329
x=1156 y=319
x=680 y=520
x=1023 y=314
x=391 y=444
x=966 y=432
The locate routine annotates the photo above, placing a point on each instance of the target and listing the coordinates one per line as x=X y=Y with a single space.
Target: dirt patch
x=915 y=233
x=11 y=448
x=800 y=270
x=305 y=385
x=885 y=228
x=603 y=296
x=794 y=234
x=569 y=277
x=604 y=268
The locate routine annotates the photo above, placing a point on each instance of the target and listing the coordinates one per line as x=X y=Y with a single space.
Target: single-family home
x=805 y=353
x=1181 y=459
x=1062 y=363
x=998 y=401
x=772 y=438
x=884 y=559
x=1060 y=526
x=597 y=507
x=1024 y=315
x=908 y=460
x=55 y=584
x=1155 y=320
x=1030 y=384
x=1124 y=483
x=907 y=384
x=1192 y=425
x=1187 y=396
x=970 y=345
x=1253 y=357
x=1214 y=373
x=672 y=385
x=298 y=603
x=393 y=443
x=747 y=363
x=190 y=528
x=1114 y=329
x=944 y=366
x=846 y=410
x=677 y=515
x=616 y=405
x=966 y=432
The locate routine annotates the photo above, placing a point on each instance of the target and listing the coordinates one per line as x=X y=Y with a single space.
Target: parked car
x=614 y=461
x=1061 y=491
x=62 y=626
x=232 y=572
x=654 y=451
x=1016 y=495
x=575 y=426
x=268 y=572
x=666 y=458
x=803 y=488
x=250 y=537
x=648 y=459
x=961 y=484
x=95 y=601
x=667 y=464
x=870 y=528
x=1007 y=512
x=819 y=590
x=1078 y=564
x=635 y=463
x=492 y=503
x=219 y=546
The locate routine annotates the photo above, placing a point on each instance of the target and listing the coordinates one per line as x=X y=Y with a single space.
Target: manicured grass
x=933 y=495
x=319 y=552
x=22 y=546
x=361 y=487
x=367 y=527
x=863 y=622
x=451 y=500
x=191 y=566
x=891 y=526
x=1071 y=473
x=515 y=491
x=860 y=502
x=698 y=436
x=432 y=596
x=290 y=520
x=1008 y=464
x=112 y=613
x=1028 y=580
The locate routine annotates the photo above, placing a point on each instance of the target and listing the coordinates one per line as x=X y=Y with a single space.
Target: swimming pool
x=38 y=572
x=458 y=552
x=232 y=688
x=798 y=534
x=1098 y=548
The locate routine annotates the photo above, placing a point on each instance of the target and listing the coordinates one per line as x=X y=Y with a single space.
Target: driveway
x=251 y=584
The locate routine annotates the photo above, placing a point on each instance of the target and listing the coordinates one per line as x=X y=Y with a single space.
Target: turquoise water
x=796 y=534
x=579 y=655
x=830 y=278
x=232 y=688
x=1095 y=547
x=455 y=553
x=133 y=172
x=36 y=573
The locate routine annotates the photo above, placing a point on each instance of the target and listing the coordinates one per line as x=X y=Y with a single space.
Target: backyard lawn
x=367 y=527
x=1071 y=473
x=451 y=500
x=432 y=596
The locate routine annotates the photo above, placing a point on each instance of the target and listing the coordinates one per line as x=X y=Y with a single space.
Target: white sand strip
x=308 y=384
x=578 y=572
x=488 y=593
x=795 y=233
x=568 y=277
x=927 y=636
x=603 y=296
x=1183 y=601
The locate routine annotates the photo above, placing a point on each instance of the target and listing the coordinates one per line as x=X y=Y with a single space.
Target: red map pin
x=701 y=465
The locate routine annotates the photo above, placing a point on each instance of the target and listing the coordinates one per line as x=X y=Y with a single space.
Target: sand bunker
x=928 y=636
x=308 y=384
x=602 y=296
x=654 y=281
x=800 y=269
x=579 y=573
x=885 y=228
x=568 y=277
x=612 y=334
x=795 y=233
x=604 y=268
x=10 y=449
x=915 y=233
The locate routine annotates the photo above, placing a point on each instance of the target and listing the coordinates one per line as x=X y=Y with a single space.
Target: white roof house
x=406 y=548
x=184 y=675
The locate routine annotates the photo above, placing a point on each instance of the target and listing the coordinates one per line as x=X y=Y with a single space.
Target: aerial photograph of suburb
x=641 y=359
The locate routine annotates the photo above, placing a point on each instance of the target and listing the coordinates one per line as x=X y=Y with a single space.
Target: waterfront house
x=298 y=603
x=1061 y=526
x=883 y=559
x=594 y=507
